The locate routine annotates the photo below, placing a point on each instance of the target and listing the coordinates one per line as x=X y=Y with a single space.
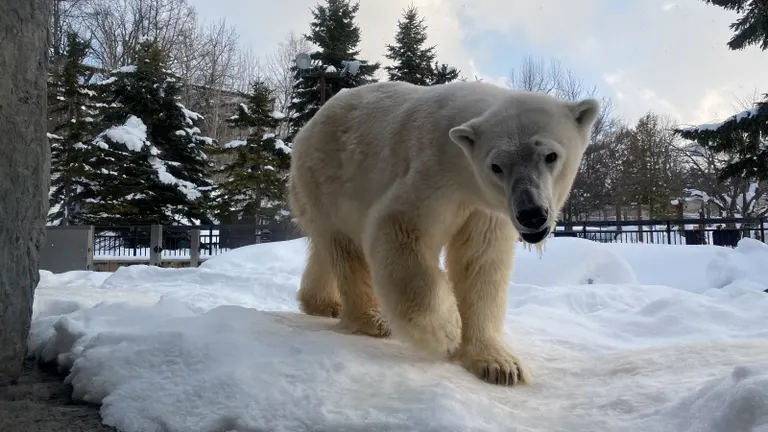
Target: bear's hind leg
x=317 y=294
x=479 y=260
x=412 y=290
x=360 y=312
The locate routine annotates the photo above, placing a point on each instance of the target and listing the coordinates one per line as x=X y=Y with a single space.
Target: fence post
x=194 y=247
x=669 y=233
x=156 y=245
x=762 y=229
x=90 y=247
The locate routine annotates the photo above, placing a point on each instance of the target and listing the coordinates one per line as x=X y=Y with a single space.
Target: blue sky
x=663 y=55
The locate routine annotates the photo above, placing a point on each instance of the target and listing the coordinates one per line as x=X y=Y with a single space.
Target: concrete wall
x=67 y=248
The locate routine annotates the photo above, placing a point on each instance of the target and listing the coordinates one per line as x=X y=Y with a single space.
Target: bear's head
x=526 y=151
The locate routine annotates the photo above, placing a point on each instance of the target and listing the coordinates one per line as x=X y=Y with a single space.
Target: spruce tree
x=70 y=108
x=152 y=166
x=335 y=32
x=413 y=62
x=444 y=74
x=743 y=135
x=254 y=177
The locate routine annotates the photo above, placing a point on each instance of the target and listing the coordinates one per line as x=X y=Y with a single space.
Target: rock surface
x=24 y=171
x=41 y=402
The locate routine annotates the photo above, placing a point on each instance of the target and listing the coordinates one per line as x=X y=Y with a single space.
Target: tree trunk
x=24 y=170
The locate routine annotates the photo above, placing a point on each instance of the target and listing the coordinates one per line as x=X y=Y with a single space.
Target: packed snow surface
x=617 y=338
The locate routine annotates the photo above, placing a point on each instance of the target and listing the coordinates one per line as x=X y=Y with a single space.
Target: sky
x=665 y=56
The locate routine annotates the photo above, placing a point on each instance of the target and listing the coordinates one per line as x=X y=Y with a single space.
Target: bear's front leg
x=479 y=260
x=414 y=294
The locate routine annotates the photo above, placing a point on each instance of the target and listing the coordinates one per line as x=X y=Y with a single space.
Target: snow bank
x=748 y=262
x=574 y=261
x=222 y=348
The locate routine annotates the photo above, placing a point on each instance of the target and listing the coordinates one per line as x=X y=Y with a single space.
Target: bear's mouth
x=536 y=237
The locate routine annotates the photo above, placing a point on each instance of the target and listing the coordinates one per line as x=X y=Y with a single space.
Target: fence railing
x=83 y=247
x=181 y=242
x=718 y=232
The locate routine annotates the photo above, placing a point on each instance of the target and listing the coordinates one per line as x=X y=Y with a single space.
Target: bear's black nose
x=533 y=217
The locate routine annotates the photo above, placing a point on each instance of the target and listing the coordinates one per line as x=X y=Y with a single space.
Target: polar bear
x=386 y=175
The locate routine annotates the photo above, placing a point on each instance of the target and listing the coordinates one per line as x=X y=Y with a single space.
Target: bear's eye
x=496 y=169
x=550 y=158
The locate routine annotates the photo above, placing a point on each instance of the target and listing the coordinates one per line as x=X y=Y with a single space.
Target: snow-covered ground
x=617 y=338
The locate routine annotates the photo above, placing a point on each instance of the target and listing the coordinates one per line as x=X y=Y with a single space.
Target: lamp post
x=304 y=64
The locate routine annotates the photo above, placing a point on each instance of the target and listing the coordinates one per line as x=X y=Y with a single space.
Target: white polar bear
x=385 y=175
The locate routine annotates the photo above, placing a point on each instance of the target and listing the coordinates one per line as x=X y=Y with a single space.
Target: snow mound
x=574 y=261
x=748 y=262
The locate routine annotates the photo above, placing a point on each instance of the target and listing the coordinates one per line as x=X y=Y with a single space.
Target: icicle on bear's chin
x=541 y=246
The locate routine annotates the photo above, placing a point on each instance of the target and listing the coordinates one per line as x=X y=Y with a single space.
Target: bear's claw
x=495 y=365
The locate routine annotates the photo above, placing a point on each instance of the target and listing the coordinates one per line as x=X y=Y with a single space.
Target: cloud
x=671 y=55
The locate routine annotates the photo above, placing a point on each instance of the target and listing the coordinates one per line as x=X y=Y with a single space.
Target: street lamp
x=304 y=64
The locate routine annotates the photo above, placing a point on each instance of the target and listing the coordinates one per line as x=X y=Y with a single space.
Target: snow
x=617 y=337
x=737 y=117
x=187 y=188
x=126 y=69
x=133 y=134
x=330 y=69
x=109 y=80
x=189 y=116
x=235 y=143
x=277 y=115
x=54 y=136
x=280 y=144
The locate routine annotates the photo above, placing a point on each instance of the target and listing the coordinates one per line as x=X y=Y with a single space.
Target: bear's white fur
x=386 y=175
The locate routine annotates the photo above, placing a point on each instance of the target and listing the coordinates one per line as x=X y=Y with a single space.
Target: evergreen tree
x=254 y=185
x=413 y=62
x=335 y=32
x=744 y=135
x=152 y=165
x=70 y=108
x=444 y=74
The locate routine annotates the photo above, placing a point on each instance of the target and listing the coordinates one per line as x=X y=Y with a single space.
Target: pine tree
x=743 y=135
x=70 y=107
x=413 y=62
x=335 y=32
x=444 y=74
x=254 y=185
x=152 y=165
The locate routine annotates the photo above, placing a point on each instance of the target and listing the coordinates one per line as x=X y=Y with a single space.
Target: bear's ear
x=465 y=137
x=585 y=112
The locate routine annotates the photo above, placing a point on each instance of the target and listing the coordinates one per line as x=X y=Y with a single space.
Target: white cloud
x=672 y=55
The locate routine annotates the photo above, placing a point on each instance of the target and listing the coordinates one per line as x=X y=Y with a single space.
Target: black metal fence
x=133 y=242
x=718 y=232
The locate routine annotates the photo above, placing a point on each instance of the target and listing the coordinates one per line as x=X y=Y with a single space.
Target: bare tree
x=189 y=61
x=731 y=197
x=219 y=57
x=116 y=27
x=66 y=16
x=248 y=69
x=279 y=74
